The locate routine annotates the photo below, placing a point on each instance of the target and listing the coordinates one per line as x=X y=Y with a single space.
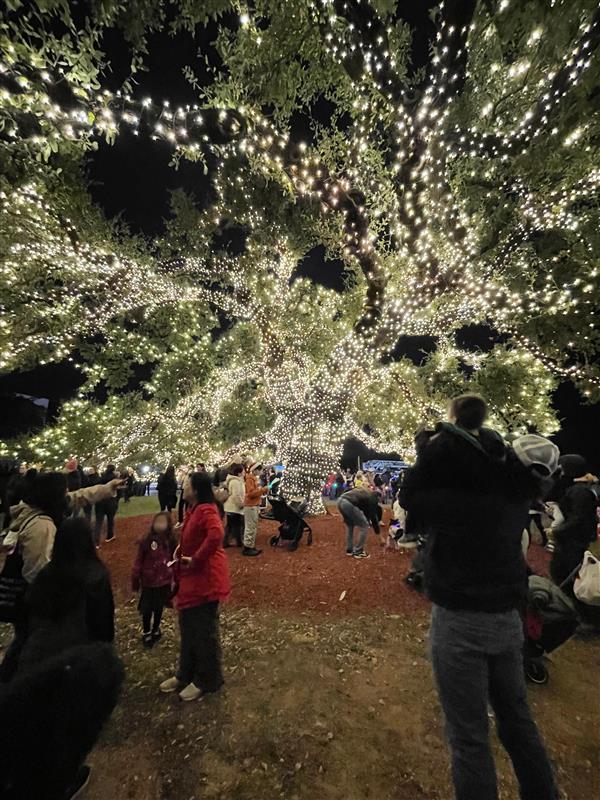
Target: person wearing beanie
x=253 y=492
x=471 y=494
x=579 y=508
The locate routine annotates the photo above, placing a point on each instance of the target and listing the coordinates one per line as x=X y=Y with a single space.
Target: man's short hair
x=469 y=411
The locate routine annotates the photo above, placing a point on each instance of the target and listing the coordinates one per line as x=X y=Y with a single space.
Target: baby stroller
x=550 y=620
x=292 y=524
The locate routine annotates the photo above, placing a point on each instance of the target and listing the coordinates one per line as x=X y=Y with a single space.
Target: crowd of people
x=467 y=502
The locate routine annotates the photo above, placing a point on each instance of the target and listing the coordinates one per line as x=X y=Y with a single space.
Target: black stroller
x=292 y=524
x=550 y=620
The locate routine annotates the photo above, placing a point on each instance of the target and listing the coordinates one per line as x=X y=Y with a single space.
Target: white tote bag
x=587 y=583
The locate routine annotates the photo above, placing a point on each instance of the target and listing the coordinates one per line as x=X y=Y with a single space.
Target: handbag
x=12 y=587
x=587 y=583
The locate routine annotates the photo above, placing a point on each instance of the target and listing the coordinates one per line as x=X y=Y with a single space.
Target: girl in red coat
x=152 y=574
x=203 y=582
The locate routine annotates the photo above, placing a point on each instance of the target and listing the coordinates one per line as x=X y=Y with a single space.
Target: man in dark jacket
x=359 y=508
x=472 y=494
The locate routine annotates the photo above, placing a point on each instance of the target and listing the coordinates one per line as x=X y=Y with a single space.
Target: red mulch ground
x=309 y=579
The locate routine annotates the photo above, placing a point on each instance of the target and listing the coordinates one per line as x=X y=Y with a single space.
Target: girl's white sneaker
x=170 y=685
x=191 y=692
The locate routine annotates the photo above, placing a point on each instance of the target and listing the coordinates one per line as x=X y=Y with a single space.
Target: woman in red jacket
x=202 y=572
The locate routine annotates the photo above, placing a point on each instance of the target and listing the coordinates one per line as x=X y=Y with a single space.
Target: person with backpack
x=579 y=526
x=234 y=506
x=152 y=574
x=471 y=494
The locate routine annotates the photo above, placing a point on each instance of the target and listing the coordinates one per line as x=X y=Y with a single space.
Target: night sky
x=133 y=179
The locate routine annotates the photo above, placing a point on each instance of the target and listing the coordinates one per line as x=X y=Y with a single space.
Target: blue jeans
x=477 y=657
x=354 y=518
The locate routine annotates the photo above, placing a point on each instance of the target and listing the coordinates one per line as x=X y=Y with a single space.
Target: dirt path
x=309 y=579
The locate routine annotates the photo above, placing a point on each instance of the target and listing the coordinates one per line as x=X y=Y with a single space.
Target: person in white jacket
x=234 y=505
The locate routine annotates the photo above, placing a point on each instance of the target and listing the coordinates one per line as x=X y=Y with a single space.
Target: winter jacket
x=206 y=578
x=150 y=569
x=471 y=497
x=253 y=490
x=368 y=502
x=68 y=605
x=34 y=531
x=235 y=502
x=579 y=507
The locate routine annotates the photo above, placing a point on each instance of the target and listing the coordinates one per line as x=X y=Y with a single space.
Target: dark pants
x=181 y=509
x=167 y=503
x=200 y=648
x=536 y=520
x=235 y=529
x=10 y=662
x=108 y=510
x=149 y=624
x=477 y=658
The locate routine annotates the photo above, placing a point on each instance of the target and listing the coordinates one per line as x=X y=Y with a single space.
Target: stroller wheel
x=536 y=672
x=273 y=541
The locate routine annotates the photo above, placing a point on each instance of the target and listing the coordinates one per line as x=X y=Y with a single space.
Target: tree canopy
x=462 y=193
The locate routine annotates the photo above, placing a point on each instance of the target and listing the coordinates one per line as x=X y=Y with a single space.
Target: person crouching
x=152 y=574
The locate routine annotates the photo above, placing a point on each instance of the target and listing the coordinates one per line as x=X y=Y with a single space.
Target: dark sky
x=133 y=179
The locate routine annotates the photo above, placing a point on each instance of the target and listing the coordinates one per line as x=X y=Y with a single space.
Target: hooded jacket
x=206 y=578
x=471 y=496
x=235 y=502
x=33 y=531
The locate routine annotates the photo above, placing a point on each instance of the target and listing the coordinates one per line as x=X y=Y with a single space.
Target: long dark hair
x=202 y=486
x=73 y=543
x=48 y=493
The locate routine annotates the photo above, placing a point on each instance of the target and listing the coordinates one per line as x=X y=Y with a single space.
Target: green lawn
x=137 y=506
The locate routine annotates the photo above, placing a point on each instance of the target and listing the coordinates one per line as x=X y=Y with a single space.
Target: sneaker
x=147 y=640
x=251 y=551
x=361 y=554
x=349 y=552
x=170 y=685
x=81 y=781
x=191 y=692
x=156 y=635
x=107 y=541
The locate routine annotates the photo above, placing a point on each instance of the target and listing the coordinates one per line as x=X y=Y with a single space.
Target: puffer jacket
x=33 y=531
x=235 y=502
x=206 y=578
x=151 y=569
